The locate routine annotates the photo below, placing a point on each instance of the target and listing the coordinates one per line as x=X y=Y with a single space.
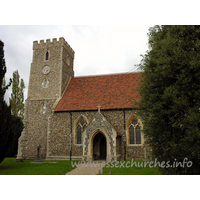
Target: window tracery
x=134 y=131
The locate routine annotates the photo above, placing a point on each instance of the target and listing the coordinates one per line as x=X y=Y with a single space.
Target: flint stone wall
x=60 y=130
x=35 y=130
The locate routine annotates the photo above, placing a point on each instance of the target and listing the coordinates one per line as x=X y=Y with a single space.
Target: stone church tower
x=79 y=118
x=51 y=71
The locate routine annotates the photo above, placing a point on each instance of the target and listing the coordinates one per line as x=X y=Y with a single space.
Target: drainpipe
x=70 y=154
x=124 y=136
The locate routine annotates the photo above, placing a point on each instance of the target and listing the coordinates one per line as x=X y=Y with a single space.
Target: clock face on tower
x=46 y=70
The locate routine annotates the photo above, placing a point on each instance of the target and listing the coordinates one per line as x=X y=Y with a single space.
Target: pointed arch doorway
x=99 y=147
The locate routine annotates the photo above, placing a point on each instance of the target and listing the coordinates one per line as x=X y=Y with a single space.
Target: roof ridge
x=106 y=74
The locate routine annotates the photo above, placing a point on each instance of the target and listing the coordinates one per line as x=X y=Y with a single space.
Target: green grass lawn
x=9 y=167
x=142 y=169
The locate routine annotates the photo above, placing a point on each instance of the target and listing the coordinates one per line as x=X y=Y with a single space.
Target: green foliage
x=16 y=127
x=5 y=133
x=11 y=127
x=170 y=91
x=17 y=96
x=4 y=109
x=3 y=86
x=10 y=167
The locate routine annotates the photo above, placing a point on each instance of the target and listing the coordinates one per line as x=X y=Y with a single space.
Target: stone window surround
x=75 y=129
x=127 y=131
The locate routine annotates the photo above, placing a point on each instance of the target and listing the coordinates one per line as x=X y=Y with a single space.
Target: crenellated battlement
x=54 y=42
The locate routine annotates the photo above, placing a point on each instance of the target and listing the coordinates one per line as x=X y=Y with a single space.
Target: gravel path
x=83 y=170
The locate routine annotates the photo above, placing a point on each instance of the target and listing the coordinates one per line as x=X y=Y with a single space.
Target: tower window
x=43 y=108
x=45 y=83
x=47 y=55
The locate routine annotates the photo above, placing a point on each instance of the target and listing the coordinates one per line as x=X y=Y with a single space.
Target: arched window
x=134 y=131
x=45 y=83
x=47 y=55
x=43 y=108
x=79 y=130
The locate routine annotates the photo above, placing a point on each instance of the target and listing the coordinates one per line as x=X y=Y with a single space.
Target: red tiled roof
x=109 y=91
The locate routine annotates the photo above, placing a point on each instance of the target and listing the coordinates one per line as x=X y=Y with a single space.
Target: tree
x=3 y=86
x=170 y=103
x=16 y=127
x=10 y=126
x=4 y=109
x=17 y=96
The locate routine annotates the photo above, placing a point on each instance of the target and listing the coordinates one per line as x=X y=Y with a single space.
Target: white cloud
x=98 y=49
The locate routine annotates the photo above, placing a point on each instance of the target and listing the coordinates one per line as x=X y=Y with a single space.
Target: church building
x=79 y=118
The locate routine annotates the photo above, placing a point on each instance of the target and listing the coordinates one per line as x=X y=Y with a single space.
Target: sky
x=98 y=49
